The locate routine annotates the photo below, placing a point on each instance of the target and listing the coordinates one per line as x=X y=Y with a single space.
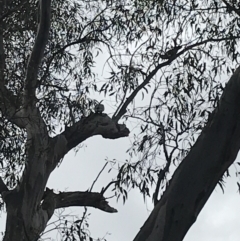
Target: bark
x=79 y=199
x=35 y=58
x=198 y=174
x=94 y=124
x=3 y=187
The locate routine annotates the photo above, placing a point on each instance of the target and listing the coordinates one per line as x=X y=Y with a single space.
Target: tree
x=171 y=53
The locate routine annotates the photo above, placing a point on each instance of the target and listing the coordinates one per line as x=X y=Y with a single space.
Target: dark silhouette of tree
x=172 y=54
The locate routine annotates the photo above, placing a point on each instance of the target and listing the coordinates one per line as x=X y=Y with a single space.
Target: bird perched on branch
x=170 y=53
x=99 y=108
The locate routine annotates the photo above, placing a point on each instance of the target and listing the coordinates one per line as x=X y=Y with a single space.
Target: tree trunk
x=23 y=223
x=26 y=215
x=198 y=174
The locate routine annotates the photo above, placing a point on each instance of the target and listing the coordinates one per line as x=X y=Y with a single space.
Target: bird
x=170 y=53
x=99 y=108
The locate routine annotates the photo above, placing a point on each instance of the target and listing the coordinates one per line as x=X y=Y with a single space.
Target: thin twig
x=98 y=176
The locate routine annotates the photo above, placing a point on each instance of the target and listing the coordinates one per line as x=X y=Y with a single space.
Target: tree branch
x=121 y=111
x=38 y=50
x=91 y=188
x=52 y=201
x=104 y=189
x=94 y=124
x=80 y=199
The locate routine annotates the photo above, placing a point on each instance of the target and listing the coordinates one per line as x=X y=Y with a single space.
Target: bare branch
x=106 y=188
x=38 y=50
x=82 y=199
x=49 y=202
x=94 y=124
x=98 y=176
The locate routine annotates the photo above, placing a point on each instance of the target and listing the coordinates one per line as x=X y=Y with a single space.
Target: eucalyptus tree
x=172 y=54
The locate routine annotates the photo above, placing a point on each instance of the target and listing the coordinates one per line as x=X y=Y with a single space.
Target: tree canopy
x=165 y=68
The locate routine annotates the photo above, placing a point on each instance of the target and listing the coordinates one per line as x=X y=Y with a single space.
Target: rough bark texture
x=198 y=174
